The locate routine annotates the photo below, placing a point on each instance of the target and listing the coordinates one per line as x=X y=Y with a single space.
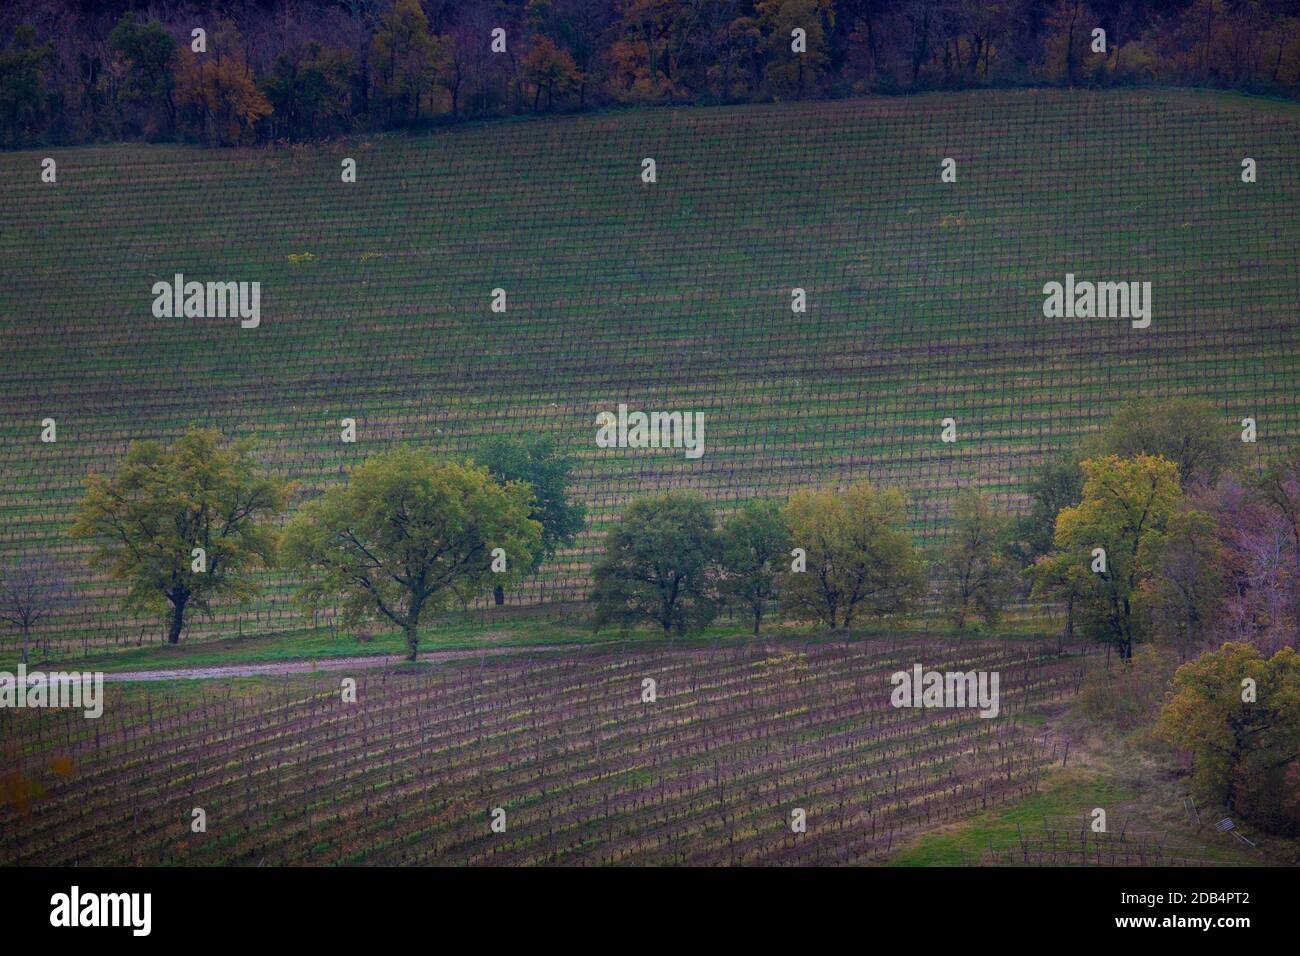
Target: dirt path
x=317 y=664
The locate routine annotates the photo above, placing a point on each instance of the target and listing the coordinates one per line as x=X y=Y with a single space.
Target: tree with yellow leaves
x=797 y=62
x=408 y=535
x=181 y=525
x=1106 y=546
x=1238 y=714
x=406 y=61
x=216 y=93
x=550 y=69
x=1067 y=52
x=860 y=558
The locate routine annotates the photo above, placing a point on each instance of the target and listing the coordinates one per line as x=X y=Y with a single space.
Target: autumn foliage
x=1238 y=714
x=318 y=68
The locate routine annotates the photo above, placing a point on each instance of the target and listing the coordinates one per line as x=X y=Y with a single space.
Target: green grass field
x=924 y=300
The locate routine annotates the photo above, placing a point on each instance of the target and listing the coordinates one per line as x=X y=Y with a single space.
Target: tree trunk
x=178 y=618
x=26 y=639
x=1126 y=635
x=871 y=42
x=920 y=48
x=412 y=639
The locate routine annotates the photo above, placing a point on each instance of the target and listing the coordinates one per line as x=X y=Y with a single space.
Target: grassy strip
x=1070 y=792
x=322 y=644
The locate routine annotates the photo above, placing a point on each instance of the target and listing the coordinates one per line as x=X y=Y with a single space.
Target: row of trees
x=1155 y=527
x=824 y=555
x=408 y=535
x=1115 y=536
x=71 y=72
x=1152 y=528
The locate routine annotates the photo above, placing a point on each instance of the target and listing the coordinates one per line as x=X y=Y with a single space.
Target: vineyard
x=924 y=302
x=584 y=767
x=1073 y=842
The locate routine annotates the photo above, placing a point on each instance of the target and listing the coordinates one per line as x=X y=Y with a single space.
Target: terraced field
x=924 y=299
x=585 y=769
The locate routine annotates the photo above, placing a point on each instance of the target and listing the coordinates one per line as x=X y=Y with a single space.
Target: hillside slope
x=924 y=298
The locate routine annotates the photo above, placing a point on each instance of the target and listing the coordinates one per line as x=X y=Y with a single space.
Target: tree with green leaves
x=978 y=574
x=755 y=550
x=309 y=91
x=859 y=557
x=25 y=98
x=790 y=70
x=182 y=525
x=1054 y=485
x=1186 y=592
x=536 y=462
x=1106 y=546
x=660 y=564
x=1238 y=713
x=409 y=534
x=406 y=60
x=149 y=51
x=1187 y=431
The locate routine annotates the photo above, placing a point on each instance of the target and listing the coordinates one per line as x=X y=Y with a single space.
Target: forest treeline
x=77 y=71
